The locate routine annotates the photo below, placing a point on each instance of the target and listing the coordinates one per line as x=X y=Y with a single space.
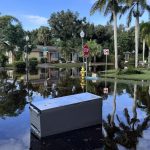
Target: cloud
x=36 y=20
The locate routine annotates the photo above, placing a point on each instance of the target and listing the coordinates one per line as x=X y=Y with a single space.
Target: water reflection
x=126 y=110
x=12 y=96
x=83 y=139
x=122 y=132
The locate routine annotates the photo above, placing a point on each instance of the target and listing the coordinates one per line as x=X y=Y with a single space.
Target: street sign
x=106 y=51
x=105 y=90
x=86 y=50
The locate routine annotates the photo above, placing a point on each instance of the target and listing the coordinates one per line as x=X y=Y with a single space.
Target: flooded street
x=125 y=111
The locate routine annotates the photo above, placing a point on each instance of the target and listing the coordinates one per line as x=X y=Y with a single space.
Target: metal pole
x=82 y=51
x=86 y=66
x=106 y=65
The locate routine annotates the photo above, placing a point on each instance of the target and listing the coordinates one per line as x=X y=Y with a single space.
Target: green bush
x=129 y=71
x=3 y=60
x=20 y=66
x=33 y=62
x=43 y=60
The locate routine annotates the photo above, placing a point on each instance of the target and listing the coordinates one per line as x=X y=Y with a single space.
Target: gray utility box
x=66 y=113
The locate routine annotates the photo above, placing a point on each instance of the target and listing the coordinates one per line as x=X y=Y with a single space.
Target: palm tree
x=95 y=49
x=136 y=8
x=148 y=43
x=143 y=34
x=111 y=7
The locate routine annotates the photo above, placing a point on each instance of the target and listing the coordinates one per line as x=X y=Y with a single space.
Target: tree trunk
x=149 y=58
x=136 y=40
x=114 y=102
x=115 y=40
x=135 y=102
x=143 y=50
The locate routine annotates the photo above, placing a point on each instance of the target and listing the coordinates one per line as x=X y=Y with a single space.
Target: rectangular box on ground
x=64 y=114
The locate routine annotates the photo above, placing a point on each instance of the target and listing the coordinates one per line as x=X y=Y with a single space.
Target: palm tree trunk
x=149 y=58
x=114 y=102
x=136 y=40
x=115 y=39
x=143 y=50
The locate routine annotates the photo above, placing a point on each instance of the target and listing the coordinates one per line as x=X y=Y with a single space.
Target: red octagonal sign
x=86 y=50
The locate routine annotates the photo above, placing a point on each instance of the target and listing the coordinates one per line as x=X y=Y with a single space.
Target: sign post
x=86 y=54
x=106 y=53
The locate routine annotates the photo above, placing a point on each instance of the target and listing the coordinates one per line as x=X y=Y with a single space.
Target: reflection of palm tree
x=135 y=101
x=114 y=102
x=126 y=134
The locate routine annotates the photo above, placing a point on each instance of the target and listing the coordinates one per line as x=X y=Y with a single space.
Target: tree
x=136 y=8
x=44 y=35
x=11 y=31
x=66 y=27
x=125 y=42
x=95 y=48
x=145 y=29
x=111 y=7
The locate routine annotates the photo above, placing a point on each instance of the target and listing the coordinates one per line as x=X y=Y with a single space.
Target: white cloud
x=36 y=20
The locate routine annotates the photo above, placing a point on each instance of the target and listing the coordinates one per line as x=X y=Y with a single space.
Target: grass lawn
x=113 y=74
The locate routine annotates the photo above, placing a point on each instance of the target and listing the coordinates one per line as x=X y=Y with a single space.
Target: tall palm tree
x=148 y=43
x=111 y=7
x=143 y=34
x=136 y=9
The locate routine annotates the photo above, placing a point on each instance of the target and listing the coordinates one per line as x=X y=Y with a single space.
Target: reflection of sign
x=86 y=50
x=105 y=90
x=106 y=51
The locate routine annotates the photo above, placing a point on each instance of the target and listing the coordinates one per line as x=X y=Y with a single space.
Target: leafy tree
x=66 y=28
x=11 y=32
x=125 y=42
x=135 y=9
x=43 y=35
x=111 y=7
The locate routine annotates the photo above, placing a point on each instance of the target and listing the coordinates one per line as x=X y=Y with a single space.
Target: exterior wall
x=36 y=55
x=54 y=56
x=74 y=57
x=10 y=57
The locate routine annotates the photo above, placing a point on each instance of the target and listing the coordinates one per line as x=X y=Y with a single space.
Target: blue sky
x=34 y=13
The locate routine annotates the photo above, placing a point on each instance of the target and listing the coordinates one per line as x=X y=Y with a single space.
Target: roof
x=39 y=48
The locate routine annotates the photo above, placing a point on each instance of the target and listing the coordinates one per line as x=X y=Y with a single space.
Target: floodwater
x=125 y=111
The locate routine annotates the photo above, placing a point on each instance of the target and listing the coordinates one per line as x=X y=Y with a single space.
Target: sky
x=35 y=13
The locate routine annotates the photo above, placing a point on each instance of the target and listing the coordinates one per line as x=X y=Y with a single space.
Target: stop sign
x=86 y=50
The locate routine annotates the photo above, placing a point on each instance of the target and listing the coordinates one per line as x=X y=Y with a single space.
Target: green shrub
x=129 y=71
x=43 y=60
x=33 y=62
x=20 y=66
x=3 y=60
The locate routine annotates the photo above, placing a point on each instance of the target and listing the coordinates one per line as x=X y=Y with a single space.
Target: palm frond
x=129 y=18
x=98 y=5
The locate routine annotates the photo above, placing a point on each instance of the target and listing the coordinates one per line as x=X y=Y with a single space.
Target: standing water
x=125 y=112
